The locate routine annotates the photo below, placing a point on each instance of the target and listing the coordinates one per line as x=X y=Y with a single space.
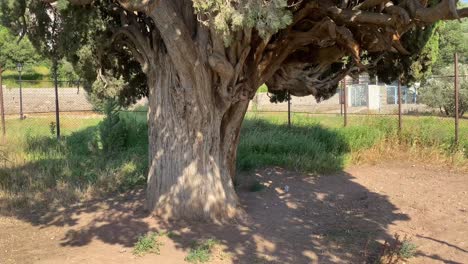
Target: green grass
x=147 y=244
x=34 y=162
x=321 y=143
x=201 y=252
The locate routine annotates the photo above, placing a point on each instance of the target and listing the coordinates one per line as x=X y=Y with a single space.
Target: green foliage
x=229 y=16
x=269 y=142
x=263 y=89
x=66 y=72
x=147 y=244
x=423 y=46
x=201 y=252
x=113 y=131
x=453 y=38
x=439 y=92
x=407 y=250
x=12 y=52
x=396 y=251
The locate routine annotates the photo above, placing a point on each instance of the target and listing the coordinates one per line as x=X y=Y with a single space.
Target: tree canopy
x=12 y=51
x=453 y=38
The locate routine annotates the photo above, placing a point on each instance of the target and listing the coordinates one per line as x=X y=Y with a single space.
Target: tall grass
x=74 y=166
x=36 y=167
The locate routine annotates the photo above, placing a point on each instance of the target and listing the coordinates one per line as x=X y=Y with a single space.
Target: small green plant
x=52 y=127
x=407 y=249
x=201 y=252
x=396 y=252
x=147 y=244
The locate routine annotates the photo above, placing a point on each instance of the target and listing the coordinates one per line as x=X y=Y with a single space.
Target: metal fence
x=28 y=103
x=362 y=97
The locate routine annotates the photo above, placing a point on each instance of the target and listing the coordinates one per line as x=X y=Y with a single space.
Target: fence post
x=289 y=109
x=57 y=110
x=21 y=95
x=2 y=107
x=399 y=106
x=345 y=102
x=457 y=101
x=341 y=98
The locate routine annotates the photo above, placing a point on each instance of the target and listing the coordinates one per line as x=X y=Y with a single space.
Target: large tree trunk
x=192 y=148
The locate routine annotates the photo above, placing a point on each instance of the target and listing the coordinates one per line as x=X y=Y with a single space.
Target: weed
x=147 y=244
x=52 y=127
x=407 y=249
x=201 y=252
x=394 y=252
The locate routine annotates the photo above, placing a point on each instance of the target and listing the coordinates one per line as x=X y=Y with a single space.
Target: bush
x=113 y=131
x=439 y=92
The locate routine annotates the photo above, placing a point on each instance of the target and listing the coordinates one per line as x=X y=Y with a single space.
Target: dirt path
x=326 y=219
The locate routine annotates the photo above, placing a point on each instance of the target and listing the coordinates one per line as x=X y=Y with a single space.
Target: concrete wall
x=261 y=102
x=377 y=104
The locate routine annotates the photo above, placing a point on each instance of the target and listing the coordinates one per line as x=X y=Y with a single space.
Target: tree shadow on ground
x=325 y=219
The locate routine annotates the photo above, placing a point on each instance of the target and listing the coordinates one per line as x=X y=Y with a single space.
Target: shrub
x=113 y=131
x=439 y=92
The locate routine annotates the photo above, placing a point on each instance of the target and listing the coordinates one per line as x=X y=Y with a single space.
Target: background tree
x=453 y=38
x=201 y=61
x=439 y=92
x=12 y=51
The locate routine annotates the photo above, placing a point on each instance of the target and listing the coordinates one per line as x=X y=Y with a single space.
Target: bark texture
x=191 y=148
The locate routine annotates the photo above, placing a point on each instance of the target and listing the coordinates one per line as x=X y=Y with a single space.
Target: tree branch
x=176 y=37
x=139 y=44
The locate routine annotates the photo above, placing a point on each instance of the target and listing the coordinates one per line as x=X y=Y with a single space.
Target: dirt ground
x=321 y=219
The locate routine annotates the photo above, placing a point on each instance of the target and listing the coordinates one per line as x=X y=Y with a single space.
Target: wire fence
x=431 y=103
x=32 y=107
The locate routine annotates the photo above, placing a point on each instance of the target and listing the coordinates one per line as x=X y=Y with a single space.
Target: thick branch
x=445 y=10
x=136 y=43
x=178 y=41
